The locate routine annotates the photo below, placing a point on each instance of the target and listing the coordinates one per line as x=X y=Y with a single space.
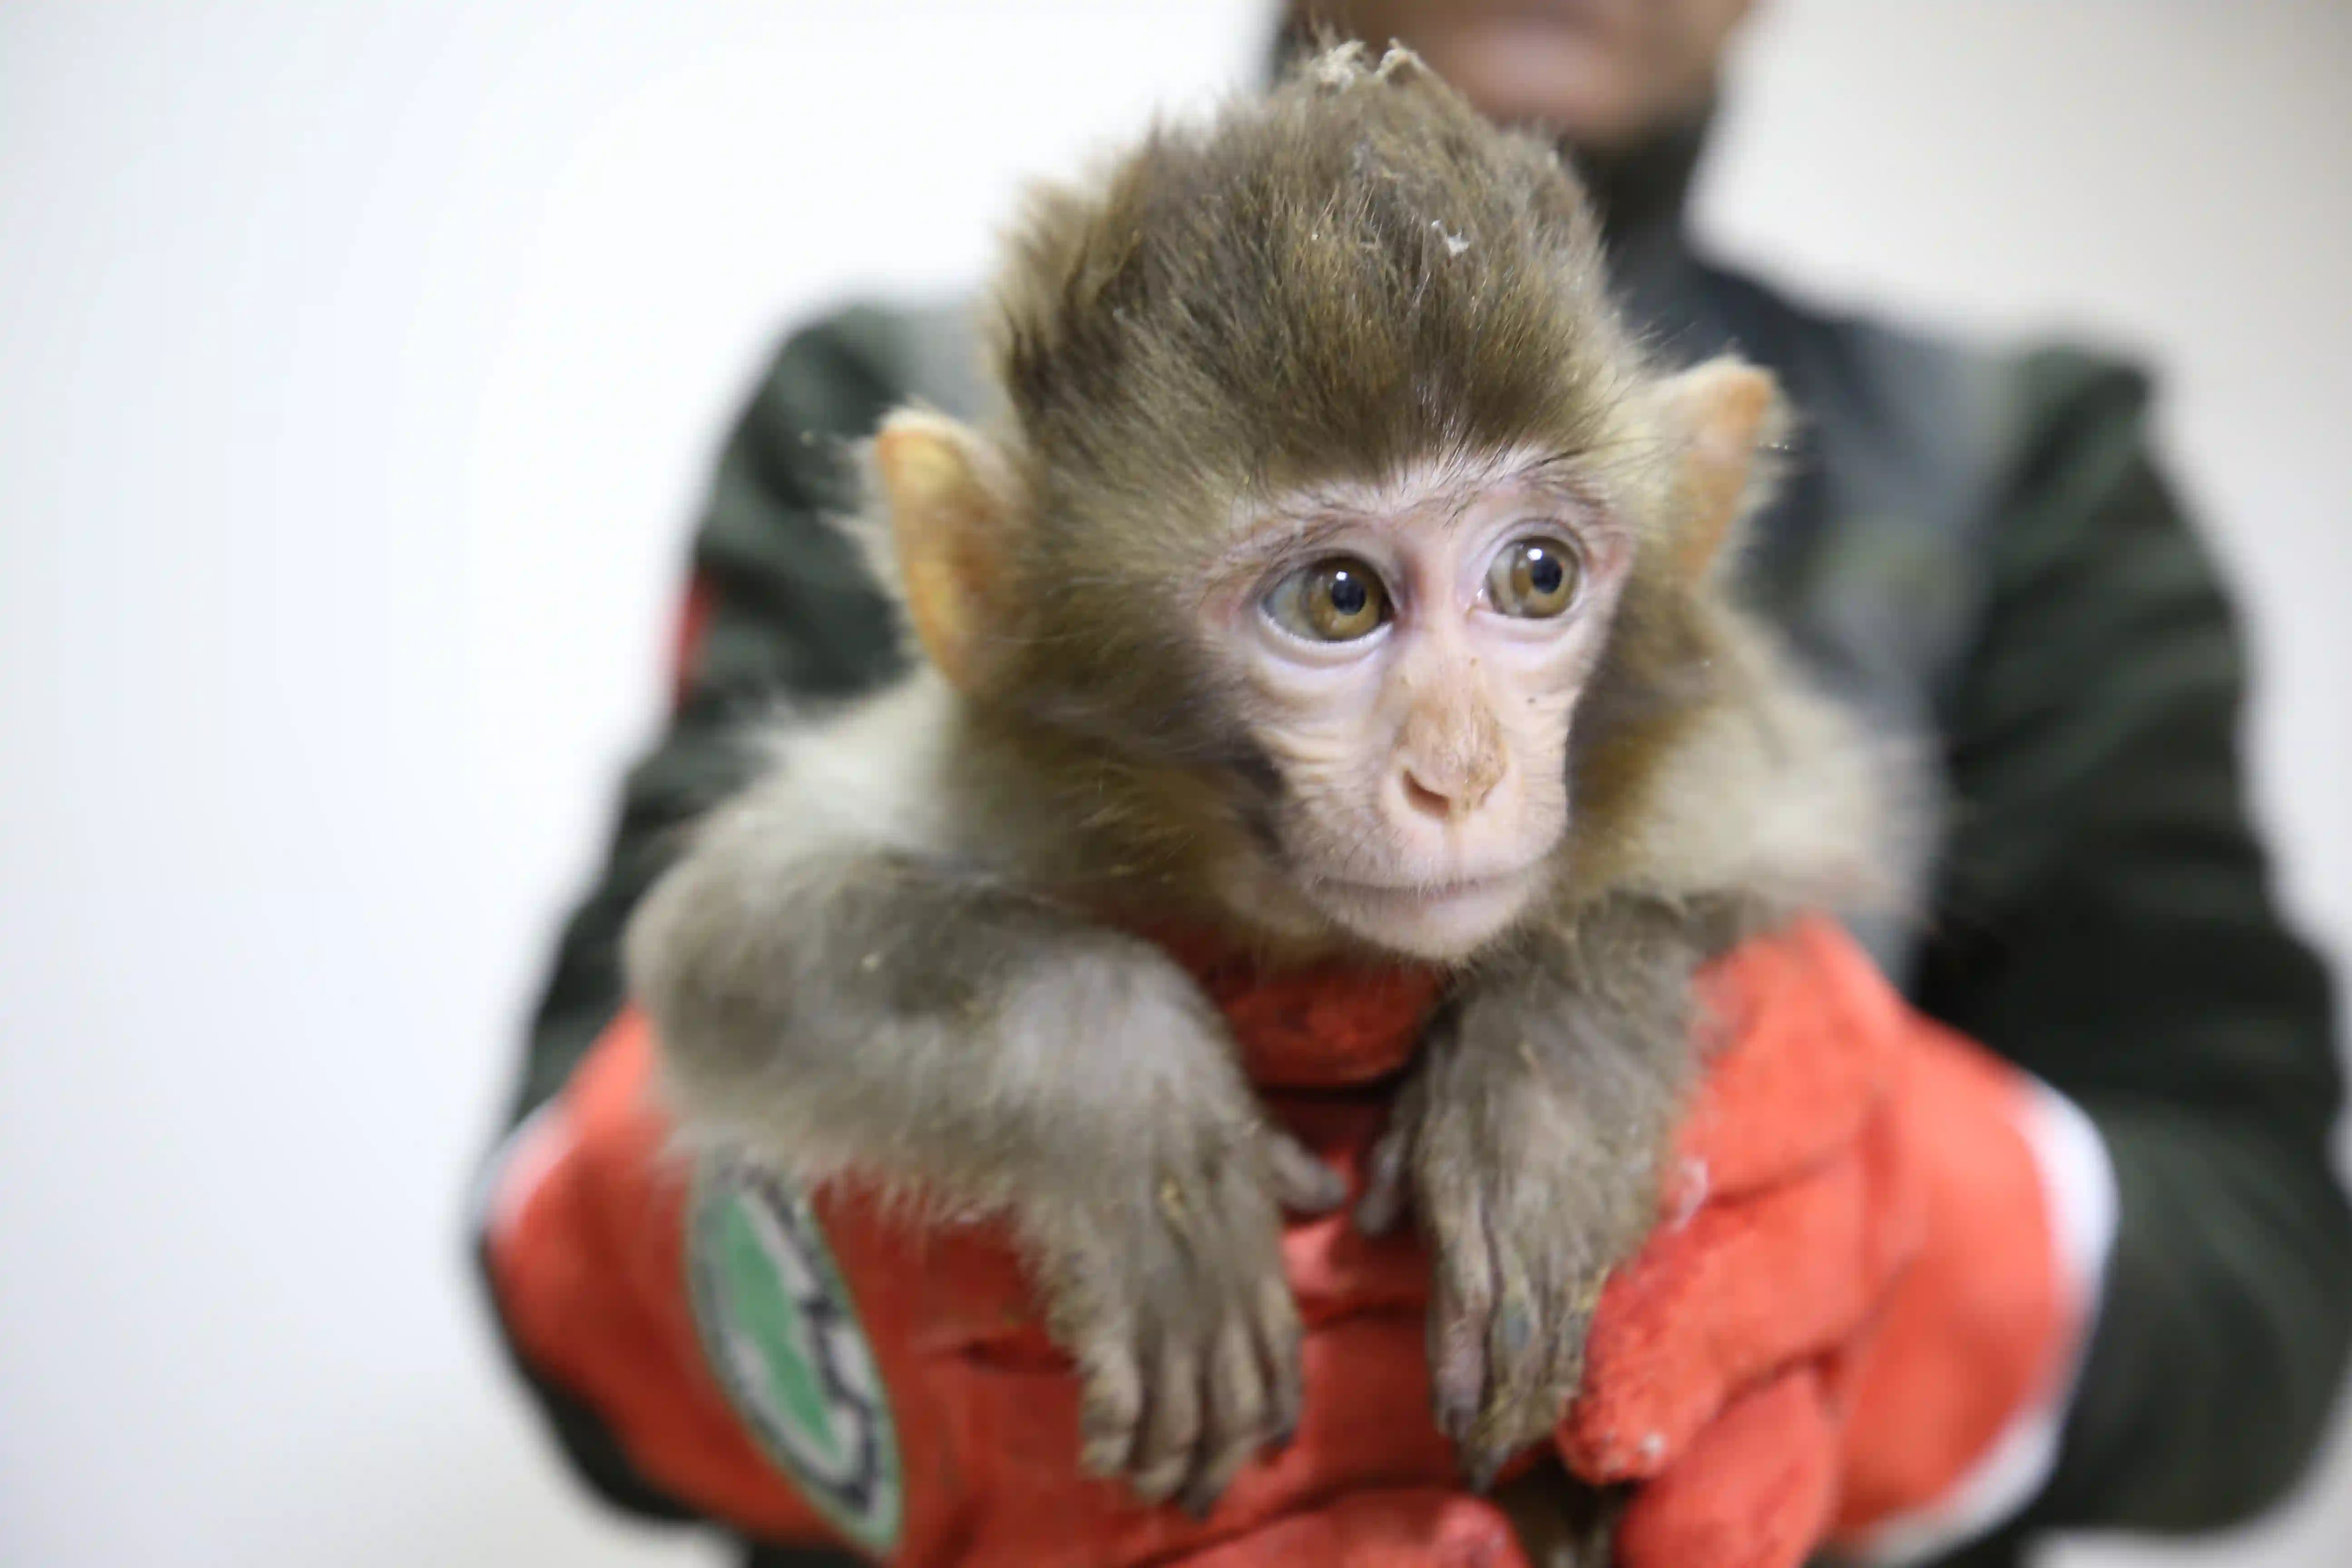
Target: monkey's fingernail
x=1517 y=1328
x=1100 y=1451
x=1284 y=1435
x=1379 y=1208
x=1319 y=1194
x=1306 y=1182
x=1198 y=1502
x=1282 y=1419
x=1484 y=1466
x=1461 y=1377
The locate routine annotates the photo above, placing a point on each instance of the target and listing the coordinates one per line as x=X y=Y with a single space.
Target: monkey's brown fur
x=901 y=953
x=1355 y=274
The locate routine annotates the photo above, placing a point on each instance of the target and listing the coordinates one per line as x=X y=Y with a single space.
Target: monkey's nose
x=1449 y=798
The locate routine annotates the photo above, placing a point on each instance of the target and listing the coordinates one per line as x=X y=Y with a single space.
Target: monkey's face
x=1409 y=658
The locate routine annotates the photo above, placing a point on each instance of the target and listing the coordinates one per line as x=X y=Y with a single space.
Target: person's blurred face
x=1600 y=72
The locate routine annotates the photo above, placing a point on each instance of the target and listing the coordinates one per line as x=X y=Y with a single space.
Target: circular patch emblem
x=781 y=1333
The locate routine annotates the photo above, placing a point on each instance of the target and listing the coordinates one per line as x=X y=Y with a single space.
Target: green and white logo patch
x=782 y=1335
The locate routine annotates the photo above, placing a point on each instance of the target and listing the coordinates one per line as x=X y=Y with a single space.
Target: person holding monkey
x=2053 y=1242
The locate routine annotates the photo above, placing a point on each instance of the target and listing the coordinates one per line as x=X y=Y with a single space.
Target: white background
x=360 y=366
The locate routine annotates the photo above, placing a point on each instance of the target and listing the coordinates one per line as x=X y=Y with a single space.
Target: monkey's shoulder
x=868 y=771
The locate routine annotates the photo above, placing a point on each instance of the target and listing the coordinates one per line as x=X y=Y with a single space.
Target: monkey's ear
x=951 y=513
x=1730 y=412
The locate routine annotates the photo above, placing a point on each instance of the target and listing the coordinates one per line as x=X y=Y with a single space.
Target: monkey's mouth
x=1435 y=891
x=1437 y=920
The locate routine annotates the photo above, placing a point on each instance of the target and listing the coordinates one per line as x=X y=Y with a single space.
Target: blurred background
x=360 y=367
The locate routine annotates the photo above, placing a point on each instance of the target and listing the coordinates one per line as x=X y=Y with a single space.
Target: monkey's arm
x=878 y=1010
x=1529 y=1139
x=844 y=1007
x=2106 y=919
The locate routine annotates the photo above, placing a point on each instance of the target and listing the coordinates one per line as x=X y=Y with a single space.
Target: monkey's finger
x=1517 y=1357
x=1172 y=1418
x=1525 y=1405
x=1110 y=1401
x=1280 y=1351
x=1481 y=1463
x=1567 y=1368
x=1382 y=1203
x=1459 y=1319
x=1510 y=1415
x=1459 y=1368
x=1235 y=1424
x=1302 y=1182
x=1559 y=1379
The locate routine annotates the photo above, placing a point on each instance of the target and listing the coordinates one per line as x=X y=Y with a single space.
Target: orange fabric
x=1424 y=1529
x=1323 y=1026
x=1858 y=1296
x=1973 y=1330
x=1758 y=1487
x=588 y=1276
x=1869 y=1259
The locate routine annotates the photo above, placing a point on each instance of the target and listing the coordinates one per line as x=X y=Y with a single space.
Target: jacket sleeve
x=2104 y=916
x=777 y=605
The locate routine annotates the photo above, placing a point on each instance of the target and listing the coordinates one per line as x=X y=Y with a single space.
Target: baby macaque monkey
x=1338 y=577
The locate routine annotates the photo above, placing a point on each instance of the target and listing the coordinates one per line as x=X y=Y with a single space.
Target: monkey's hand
x=1527 y=1148
x=1162 y=1268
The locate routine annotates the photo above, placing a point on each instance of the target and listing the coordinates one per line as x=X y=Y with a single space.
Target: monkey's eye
x=1533 y=578
x=1338 y=599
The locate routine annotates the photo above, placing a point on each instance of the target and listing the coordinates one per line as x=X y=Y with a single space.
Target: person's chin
x=1438 y=923
x=1524 y=71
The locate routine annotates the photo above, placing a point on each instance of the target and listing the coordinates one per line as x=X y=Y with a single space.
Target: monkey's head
x=1329 y=510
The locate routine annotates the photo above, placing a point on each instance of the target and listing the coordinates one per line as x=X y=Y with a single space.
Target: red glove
x=1860 y=1301
x=834 y=1374
x=1860 y=1323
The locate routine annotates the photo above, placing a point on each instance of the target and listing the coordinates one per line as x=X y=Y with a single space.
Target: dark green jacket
x=1979 y=548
